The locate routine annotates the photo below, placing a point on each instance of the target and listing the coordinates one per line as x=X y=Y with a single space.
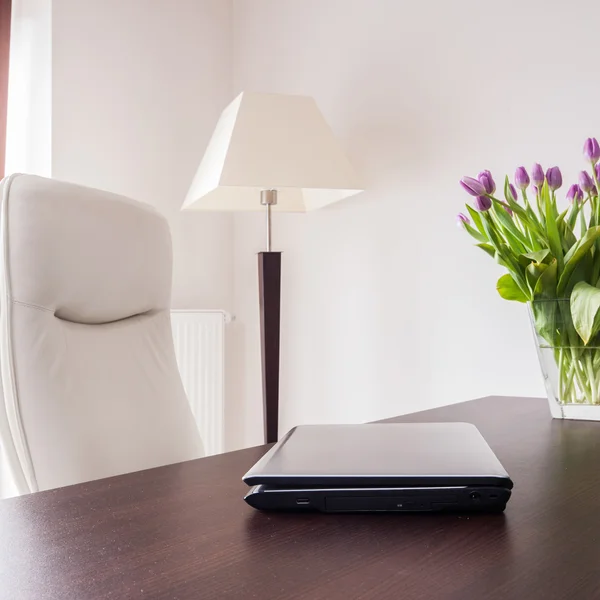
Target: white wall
x=29 y=119
x=137 y=86
x=386 y=306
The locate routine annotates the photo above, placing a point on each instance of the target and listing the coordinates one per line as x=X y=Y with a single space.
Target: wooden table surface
x=183 y=531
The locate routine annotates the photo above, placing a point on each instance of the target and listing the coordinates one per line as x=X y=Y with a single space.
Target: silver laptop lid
x=380 y=454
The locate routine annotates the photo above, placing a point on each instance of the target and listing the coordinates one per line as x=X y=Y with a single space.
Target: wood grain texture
x=183 y=531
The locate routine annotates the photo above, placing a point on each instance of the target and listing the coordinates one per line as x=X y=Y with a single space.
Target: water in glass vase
x=571 y=369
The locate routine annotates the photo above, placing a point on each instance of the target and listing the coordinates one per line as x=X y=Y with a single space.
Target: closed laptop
x=399 y=467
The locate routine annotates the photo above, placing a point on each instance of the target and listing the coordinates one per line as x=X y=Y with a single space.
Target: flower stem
x=582 y=379
x=592 y=380
x=561 y=375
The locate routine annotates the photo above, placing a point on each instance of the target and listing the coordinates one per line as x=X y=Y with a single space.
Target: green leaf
x=507 y=193
x=502 y=262
x=515 y=238
x=544 y=318
x=526 y=215
x=585 y=310
x=537 y=226
x=508 y=239
x=544 y=306
x=562 y=216
x=576 y=254
x=491 y=231
x=532 y=215
x=572 y=218
x=474 y=233
x=595 y=270
x=538 y=257
x=533 y=272
x=582 y=272
x=530 y=222
x=582 y=223
x=509 y=290
x=487 y=248
x=476 y=218
x=554 y=240
x=546 y=284
x=567 y=236
x=505 y=257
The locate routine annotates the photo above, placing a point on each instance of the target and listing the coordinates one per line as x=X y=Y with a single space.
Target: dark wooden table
x=183 y=531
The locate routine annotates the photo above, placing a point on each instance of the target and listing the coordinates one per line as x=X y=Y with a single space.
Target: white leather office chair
x=89 y=377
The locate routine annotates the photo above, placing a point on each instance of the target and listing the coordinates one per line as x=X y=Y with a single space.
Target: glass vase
x=571 y=369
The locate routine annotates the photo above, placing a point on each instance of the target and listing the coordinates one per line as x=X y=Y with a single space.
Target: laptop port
x=302 y=501
x=474 y=495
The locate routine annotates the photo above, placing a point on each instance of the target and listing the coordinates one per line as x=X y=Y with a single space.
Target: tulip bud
x=487 y=181
x=554 y=178
x=462 y=220
x=537 y=175
x=521 y=178
x=483 y=203
x=586 y=183
x=591 y=150
x=508 y=209
x=575 y=194
x=597 y=171
x=473 y=186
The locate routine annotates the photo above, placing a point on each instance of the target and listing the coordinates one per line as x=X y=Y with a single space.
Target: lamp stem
x=268 y=228
x=268 y=198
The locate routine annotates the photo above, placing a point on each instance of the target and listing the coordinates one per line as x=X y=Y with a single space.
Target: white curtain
x=29 y=118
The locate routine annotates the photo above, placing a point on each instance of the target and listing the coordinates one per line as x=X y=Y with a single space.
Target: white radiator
x=199 y=338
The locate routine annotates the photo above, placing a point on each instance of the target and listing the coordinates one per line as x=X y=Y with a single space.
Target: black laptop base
x=364 y=499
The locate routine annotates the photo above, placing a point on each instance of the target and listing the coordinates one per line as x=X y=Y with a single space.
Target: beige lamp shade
x=272 y=141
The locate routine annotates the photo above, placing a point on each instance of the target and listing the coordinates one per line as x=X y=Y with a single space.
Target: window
x=5 y=12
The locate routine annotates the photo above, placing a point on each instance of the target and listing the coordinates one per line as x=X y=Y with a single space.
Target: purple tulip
x=537 y=175
x=586 y=183
x=575 y=194
x=554 y=178
x=462 y=220
x=513 y=193
x=521 y=178
x=508 y=209
x=597 y=171
x=487 y=181
x=591 y=150
x=483 y=203
x=473 y=186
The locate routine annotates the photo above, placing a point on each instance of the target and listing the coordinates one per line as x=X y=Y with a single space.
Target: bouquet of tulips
x=551 y=251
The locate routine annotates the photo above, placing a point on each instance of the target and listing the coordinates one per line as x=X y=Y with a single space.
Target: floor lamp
x=271 y=152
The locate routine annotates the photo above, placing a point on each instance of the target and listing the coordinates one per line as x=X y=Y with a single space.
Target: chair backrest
x=90 y=381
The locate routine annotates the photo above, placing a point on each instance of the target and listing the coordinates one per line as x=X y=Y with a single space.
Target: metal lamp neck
x=268 y=198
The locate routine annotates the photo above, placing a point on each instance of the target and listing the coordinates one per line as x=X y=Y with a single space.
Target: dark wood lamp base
x=269 y=297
